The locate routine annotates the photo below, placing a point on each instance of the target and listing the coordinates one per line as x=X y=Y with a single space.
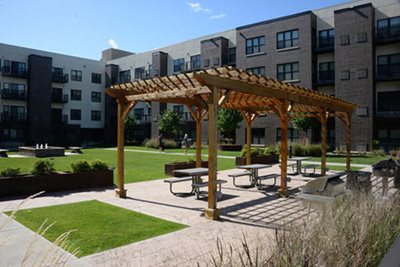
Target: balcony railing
x=326 y=77
x=13 y=94
x=59 y=77
x=388 y=34
x=59 y=98
x=388 y=72
x=8 y=71
x=326 y=44
x=12 y=117
x=143 y=119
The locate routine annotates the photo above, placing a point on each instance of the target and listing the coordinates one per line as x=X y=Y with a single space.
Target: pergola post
x=211 y=212
x=198 y=116
x=323 y=118
x=347 y=121
x=123 y=110
x=280 y=109
x=249 y=118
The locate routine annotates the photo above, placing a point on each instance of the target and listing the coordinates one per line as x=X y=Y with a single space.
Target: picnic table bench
x=174 y=180
x=240 y=174
x=219 y=182
x=267 y=177
x=309 y=167
x=3 y=153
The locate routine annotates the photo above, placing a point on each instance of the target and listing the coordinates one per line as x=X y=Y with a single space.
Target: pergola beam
x=168 y=94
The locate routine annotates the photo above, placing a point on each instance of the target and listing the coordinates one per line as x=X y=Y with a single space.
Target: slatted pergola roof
x=203 y=92
x=239 y=90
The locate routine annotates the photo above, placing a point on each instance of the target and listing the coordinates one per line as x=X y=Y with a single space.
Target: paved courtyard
x=246 y=212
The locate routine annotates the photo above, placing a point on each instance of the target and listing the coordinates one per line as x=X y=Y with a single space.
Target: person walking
x=185 y=143
x=161 y=143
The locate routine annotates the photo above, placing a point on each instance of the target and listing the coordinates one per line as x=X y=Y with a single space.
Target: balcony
x=59 y=98
x=388 y=72
x=13 y=117
x=387 y=35
x=59 y=77
x=13 y=94
x=326 y=44
x=143 y=119
x=326 y=77
x=14 y=72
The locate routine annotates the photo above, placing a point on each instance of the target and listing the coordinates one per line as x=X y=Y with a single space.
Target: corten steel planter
x=30 y=184
x=171 y=167
x=260 y=159
x=230 y=147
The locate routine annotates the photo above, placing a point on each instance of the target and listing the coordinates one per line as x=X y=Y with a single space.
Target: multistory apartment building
x=350 y=50
x=50 y=98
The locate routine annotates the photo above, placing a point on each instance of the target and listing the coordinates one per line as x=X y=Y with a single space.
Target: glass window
x=124 y=76
x=96 y=77
x=178 y=109
x=288 y=72
x=138 y=113
x=287 y=39
x=75 y=114
x=326 y=38
x=76 y=94
x=257 y=71
x=179 y=65
x=232 y=55
x=389 y=27
x=96 y=96
x=293 y=134
x=389 y=101
x=195 y=62
x=139 y=73
x=255 y=45
x=76 y=75
x=326 y=71
x=96 y=115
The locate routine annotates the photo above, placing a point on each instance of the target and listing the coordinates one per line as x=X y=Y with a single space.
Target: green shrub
x=314 y=150
x=170 y=143
x=153 y=143
x=81 y=166
x=379 y=152
x=253 y=152
x=42 y=167
x=270 y=150
x=98 y=165
x=298 y=150
x=10 y=172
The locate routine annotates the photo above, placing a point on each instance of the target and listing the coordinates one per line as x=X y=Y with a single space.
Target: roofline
x=352 y=8
x=275 y=20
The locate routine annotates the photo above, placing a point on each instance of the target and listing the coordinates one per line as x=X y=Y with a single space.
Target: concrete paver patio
x=245 y=212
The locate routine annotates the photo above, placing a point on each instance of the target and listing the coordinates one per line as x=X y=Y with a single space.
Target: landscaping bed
x=230 y=147
x=260 y=159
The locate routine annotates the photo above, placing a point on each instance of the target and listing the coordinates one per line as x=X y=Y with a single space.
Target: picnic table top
x=193 y=171
x=254 y=166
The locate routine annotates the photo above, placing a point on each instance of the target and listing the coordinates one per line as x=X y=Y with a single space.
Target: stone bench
x=174 y=180
x=239 y=174
x=219 y=182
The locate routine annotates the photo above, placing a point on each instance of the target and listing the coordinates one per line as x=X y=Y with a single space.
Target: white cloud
x=220 y=16
x=113 y=43
x=196 y=7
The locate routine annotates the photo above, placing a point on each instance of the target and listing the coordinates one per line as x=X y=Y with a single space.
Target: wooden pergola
x=203 y=92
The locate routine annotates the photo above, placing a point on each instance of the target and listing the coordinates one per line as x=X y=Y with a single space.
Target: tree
x=303 y=124
x=130 y=124
x=169 y=122
x=228 y=122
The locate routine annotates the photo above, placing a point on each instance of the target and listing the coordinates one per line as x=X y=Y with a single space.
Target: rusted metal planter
x=171 y=167
x=260 y=159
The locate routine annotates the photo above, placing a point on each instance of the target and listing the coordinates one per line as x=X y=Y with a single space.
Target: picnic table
x=298 y=162
x=3 y=153
x=253 y=168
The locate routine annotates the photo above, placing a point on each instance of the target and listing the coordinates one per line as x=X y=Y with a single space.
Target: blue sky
x=86 y=27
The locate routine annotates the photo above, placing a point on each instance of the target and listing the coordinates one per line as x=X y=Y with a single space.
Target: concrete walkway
x=232 y=157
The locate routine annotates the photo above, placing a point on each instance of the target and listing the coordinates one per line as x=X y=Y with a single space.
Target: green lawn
x=139 y=166
x=98 y=226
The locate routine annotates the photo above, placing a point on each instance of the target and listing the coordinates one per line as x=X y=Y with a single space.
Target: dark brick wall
x=354 y=70
x=39 y=99
x=214 y=50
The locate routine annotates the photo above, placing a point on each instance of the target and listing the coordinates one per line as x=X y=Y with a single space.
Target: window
x=96 y=77
x=13 y=113
x=232 y=55
x=13 y=134
x=96 y=96
x=138 y=113
x=345 y=75
x=178 y=109
x=179 y=64
x=326 y=38
x=75 y=114
x=361 y=37
x=362 y=73
x=76 y=95
x=288 y=72
x=389 y=134
x=124 y=76
x=257 y=71
x=293 y=134
x=255 y=45
x=196 y=62
x=389 y=101
x=13 y=91
x=344 y=39
x=389 y=66
x=258 y=135
x=57 y=95
x=326 y=71
x=287 y=39
x=216 y=61
x=206 y=63
x=96 y=115
x=139 y=73
x=389 y=27
x=76 y=75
